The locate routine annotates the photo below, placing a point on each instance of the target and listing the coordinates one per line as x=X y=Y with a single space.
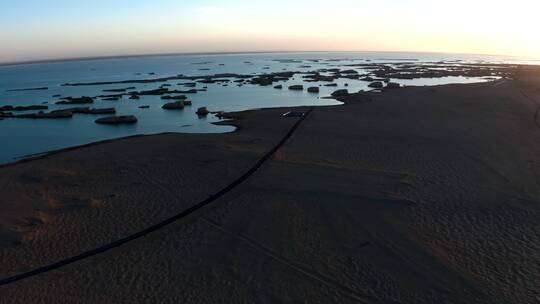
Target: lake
x=22 y=137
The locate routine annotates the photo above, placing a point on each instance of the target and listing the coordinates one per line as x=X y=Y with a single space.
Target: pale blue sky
x=43 y=29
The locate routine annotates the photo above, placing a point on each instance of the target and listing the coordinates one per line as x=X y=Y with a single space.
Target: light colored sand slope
x=419 y=195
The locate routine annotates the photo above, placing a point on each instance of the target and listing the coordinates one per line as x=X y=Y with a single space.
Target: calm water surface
x=21 y=137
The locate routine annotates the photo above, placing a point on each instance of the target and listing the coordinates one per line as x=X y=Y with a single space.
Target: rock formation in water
x=202 y=111
x=296 y=87
x=23 y=108
x=340 y=93
x=49 y=115
x=178 y=105
x=174 y=97
x=117 y=120
x=376 y=85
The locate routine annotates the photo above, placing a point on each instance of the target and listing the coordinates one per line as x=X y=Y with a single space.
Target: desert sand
x=413 y=195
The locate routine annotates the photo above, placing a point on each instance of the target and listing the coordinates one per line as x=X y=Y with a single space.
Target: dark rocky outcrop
x=316 y=77
x=189 y=84
x=144 y=107
x=178 y=105
x=340 y=93
x=393 y=85
x=313 y=89
x=78 y=110
x=50 y=115
x=376 y=85
x=297 y=87
x=117 y=120
x=23 y=108
x=278 y=87
x=262 y=81
x=174 y=97
x=102 y=111
x=202 y=111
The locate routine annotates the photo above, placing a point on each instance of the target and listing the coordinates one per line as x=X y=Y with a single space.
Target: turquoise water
x=21 y=137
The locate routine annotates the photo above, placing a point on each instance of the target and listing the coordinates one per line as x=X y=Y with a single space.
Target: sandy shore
x=415 y=195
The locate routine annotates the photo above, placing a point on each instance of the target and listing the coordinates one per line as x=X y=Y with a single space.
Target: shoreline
x=169 y=221
x=229 y=119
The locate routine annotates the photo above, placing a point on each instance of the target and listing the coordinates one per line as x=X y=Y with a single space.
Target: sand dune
x=416 y=195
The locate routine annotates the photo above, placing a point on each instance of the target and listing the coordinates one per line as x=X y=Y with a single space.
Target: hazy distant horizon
x=37 y=30
x=211 y=53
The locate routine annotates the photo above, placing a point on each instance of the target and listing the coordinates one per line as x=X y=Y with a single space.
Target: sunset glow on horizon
x=39 y=29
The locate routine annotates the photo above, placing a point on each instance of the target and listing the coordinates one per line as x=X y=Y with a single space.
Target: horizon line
x=124 y=56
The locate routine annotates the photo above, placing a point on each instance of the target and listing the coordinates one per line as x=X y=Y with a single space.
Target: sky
x=54 y=29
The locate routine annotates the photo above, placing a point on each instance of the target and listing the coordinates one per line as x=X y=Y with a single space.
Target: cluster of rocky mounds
x=46 y=115
x=262 y=79
x=154 y=80
x=7 y=112
x=179 y=105
x=384 y=85
x=23 y=108
x=331 y=74
x=406 y=70
x=269 y=79
x=377 y=72
x=162 y=90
